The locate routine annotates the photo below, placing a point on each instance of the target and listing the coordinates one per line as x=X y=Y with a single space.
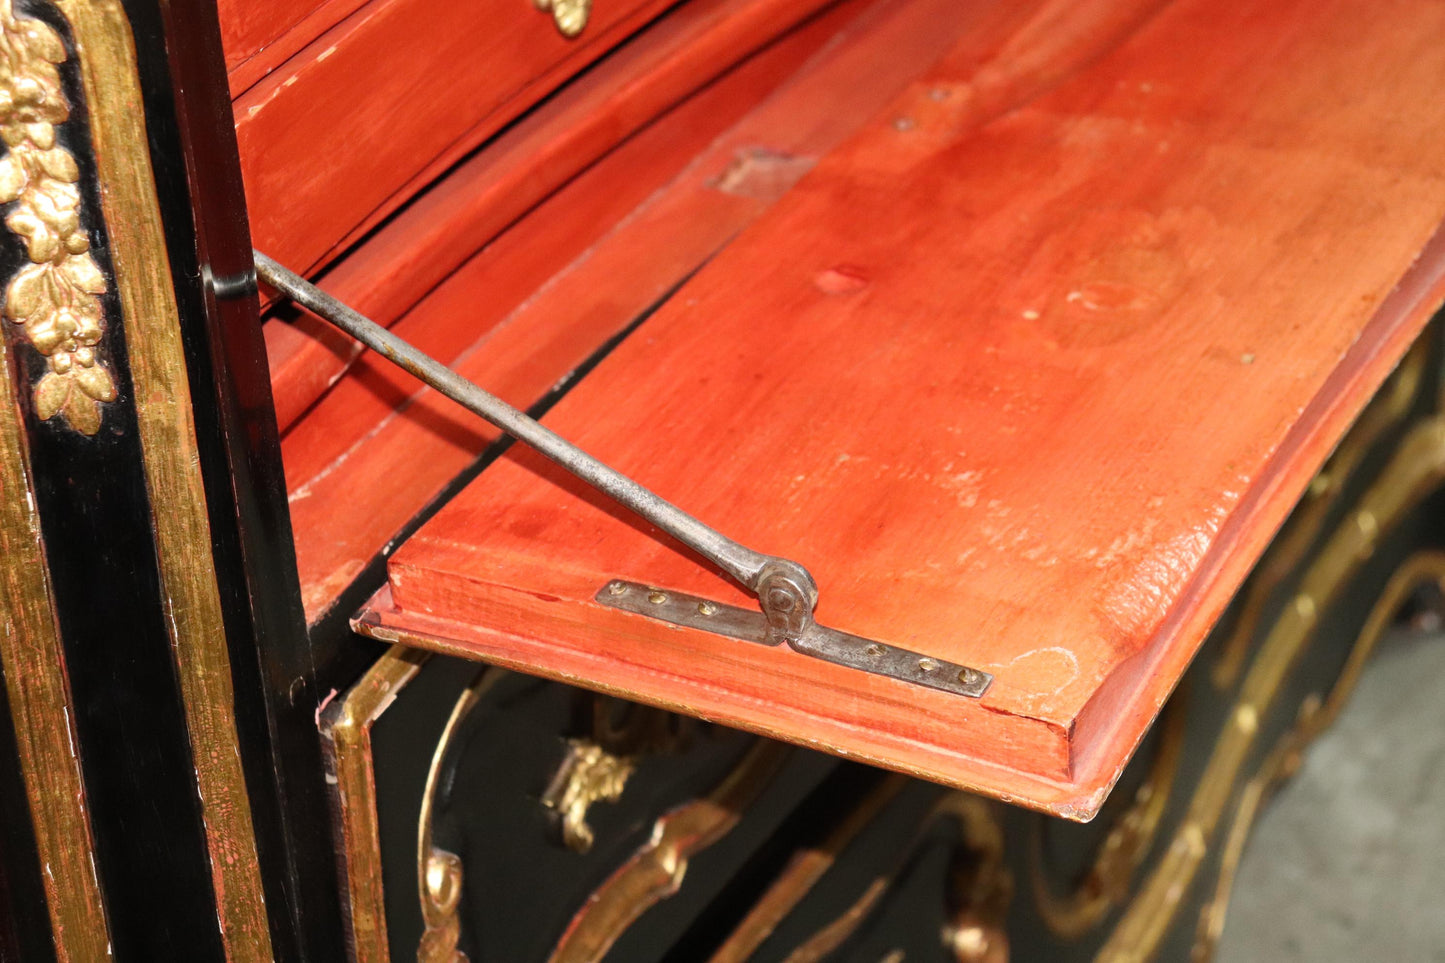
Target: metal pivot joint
x=786 y=592
x=788 y=595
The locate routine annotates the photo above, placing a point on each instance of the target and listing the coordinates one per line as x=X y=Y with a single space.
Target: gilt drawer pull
x=569 y=15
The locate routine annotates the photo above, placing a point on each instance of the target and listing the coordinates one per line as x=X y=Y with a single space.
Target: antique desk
x=1044 y=396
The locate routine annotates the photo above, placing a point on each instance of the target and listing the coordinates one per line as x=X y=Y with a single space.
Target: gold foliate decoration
x=589 y=774
x=55 y=298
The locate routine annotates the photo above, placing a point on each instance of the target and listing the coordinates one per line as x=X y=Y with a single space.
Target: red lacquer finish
x=1027 y=372
x=260 y=35
x=349 y=127
x=581 y=267
x=425 y=243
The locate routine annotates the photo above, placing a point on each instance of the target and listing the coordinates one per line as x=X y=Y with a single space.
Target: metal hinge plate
x=818 y=641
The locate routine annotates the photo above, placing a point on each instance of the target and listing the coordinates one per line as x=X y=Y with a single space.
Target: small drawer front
x=348 y=127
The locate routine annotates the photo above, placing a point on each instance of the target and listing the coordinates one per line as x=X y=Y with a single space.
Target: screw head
x=706 y=608
x=969 y=676
x=927 y=665
x=617 y=588
x=874 y=649
x=656 y=597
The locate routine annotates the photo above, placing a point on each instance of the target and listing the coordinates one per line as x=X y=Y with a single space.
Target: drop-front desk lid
x=1027 y=386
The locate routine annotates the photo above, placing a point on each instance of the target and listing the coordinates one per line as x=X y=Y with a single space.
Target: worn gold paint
x=1315 y=717
x=1416 y=469
x=803 y=872
x=56 y=297
x=106 y=54
x=980 y=890
x=570 y=16
x=982 y=887
x=656 y=870
x=1106 y=883
x=1302 y=530
x=346 y=731
x=39 y=695
x=439 y=873
x=822 y=943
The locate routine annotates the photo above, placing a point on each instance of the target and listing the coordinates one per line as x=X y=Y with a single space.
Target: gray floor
x=1348 y=863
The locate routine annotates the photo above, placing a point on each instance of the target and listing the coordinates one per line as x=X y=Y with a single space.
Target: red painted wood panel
x=429 y=239
x=390 y=97
x=259 y=35
x=1027 y=373
x=550 y=290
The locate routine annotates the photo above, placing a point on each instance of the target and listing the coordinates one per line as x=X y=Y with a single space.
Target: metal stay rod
x=764 y=575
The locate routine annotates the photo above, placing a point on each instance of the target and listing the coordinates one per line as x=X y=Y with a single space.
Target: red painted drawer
x=338 y=135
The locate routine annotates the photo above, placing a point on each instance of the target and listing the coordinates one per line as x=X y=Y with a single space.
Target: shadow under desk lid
x=1028 y=381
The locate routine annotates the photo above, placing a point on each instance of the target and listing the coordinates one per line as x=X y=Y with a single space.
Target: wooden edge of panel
x=380 y=619
x=1140 y=687
x=1417 y=467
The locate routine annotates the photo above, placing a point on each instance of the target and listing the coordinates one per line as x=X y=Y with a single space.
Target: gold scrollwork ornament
x=441 y=901
x=55 y=298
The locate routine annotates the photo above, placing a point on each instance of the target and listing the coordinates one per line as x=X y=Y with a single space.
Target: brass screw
x=927 y=665
x=875 y=650
x=617 y=588
x=657 y=598
x=706 y=608
x=968 y=676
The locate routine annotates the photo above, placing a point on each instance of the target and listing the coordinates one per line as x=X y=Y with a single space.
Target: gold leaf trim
x=56 y=298
x=350 y=770
x=110 y=79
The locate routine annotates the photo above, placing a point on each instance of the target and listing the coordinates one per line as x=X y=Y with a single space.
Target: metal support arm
x=785 y=590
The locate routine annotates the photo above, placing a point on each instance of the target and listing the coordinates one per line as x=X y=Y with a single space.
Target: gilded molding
x=655 y=871
x=56 y=298
x=1315 y=717
x=804 y=870
x=980 y=891
x=1416 y=469
x=440 y=873
x=105 y=52
x=346 y=736
x=39 y=696
x=1105 y=884
x=982 y=888
x=823 y=943
x=1301 y=531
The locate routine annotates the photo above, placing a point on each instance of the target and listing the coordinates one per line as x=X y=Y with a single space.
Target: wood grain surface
x=1028 y=373
x=579 y=269
x=351 y=125
x=424 y=243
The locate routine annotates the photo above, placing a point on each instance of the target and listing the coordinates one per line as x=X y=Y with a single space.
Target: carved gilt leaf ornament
x=55 y=298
